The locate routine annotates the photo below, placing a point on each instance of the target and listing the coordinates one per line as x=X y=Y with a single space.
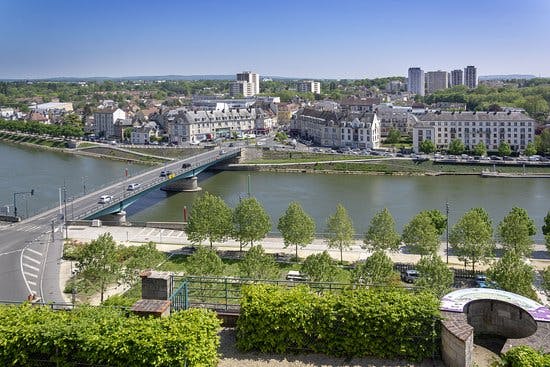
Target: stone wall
x=155 y=285
x=457 y=340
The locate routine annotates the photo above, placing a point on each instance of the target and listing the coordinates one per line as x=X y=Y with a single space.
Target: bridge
x=30 y=250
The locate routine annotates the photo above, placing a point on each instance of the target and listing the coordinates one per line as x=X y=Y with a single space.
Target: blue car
x=480 y=281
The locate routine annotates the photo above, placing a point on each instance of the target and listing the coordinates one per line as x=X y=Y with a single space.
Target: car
x=104 y=199
x=231 y=145
x=295 y=276
x=409 y=276
x=133 y=186
x=186 y=165
x=480 y=281
x=165 y=173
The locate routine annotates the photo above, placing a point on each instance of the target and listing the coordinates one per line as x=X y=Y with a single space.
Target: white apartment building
x=105 y=121
x=241 y=88
x=436 y=80
x=416 y=81
x=334 y=129
x=309 y=86
x=491 y=128
x=250 y=78
x=395 y=117
x=470 y=76
x=143 y=134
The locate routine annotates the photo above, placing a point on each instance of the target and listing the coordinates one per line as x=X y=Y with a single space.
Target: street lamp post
x=447 y=214
x=15 y=197
x=84 y=184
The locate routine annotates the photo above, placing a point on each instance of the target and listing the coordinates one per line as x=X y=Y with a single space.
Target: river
x=363 y=195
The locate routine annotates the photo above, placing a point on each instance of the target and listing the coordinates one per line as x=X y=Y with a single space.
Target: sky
x=294 y=38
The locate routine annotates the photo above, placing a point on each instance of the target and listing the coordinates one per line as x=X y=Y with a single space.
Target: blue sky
x=300 y=38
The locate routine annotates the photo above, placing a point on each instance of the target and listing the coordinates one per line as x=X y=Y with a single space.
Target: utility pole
x=447 y=214
x=65 y=211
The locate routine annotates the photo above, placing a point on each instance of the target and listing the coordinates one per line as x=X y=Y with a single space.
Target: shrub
x=522 y=356
x=385 y=323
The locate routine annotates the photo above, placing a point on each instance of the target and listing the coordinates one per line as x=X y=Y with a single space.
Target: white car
x=132 y=187
x=104 y=199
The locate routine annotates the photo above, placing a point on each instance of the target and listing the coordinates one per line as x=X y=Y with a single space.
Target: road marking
x=169 y=234
x=31 y=283
x=34 y=251
x=181 y=234
x=141 y=231
x=160 y=232
x=31 y=259
x=31 y=275
x=30 y=266
x=151 y=231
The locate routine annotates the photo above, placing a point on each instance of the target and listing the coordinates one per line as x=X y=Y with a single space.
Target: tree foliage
x=251 y=222
x=456 y=146
x=376 y=269
x=515 y=232
x=434 y=275
x=319 y=267
x=504 y=149
x=256 y=264
x=427 y=146
x=381 y=234
x=204 y=262
x=530 y=149
x=512 y=274
x=296 y=227
x=439 y=220
x=210 y=218
x=472 y=237
x=480 y=149
x=393 y=136
x=138 y=258
x=420 y=235
x=340 y=230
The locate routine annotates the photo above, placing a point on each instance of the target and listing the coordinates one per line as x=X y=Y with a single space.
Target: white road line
x=31 y=282
x=32 y=267
x=31 y=259
x=169 y=234
x=141 y=231
x=160 y=232
x=31 y=275
x=151 y=231
x=181 y=234
x=34 y=251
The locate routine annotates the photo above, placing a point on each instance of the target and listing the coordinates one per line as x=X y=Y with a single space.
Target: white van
x=104 y=199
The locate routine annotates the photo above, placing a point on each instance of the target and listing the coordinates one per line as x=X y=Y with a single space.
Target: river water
x=25 y=168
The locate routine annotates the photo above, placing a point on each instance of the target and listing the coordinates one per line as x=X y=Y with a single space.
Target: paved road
x=30 y=251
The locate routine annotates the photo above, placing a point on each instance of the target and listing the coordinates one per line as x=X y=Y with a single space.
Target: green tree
x=340 y=230
x=138 y=258
x=427 y=146
x=434 y=275
x=204 y=262
x=381 y=234
x=504 y=149
x=512 y=274
x=456 y=146
x=515 y=232
x=546 y=279
x=542 y=142
x=98 y=263
x=319 y=267
x=256 y=264
x=251 y=222
x=376 y=269
x=296 y=227
x=393 y=136
x=439 y=220
x=210 y=218
x=530 y=149
x=480 y=149
x=537 y=107
x=472 y=237
x=420 y=235
x=546 y=226
x=72 y=119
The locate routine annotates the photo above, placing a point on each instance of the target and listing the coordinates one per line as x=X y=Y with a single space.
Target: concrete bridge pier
x=183 y=185
x=115 y=218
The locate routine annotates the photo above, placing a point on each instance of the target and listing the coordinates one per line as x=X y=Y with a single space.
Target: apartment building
x=457 y=77
x=309 y=86
x=416 y=81
x=105 y=121
x=470 y=76
x=515 y=128
x=395 y=117
x=247 y=84
x=336 y=129
x=436 y=80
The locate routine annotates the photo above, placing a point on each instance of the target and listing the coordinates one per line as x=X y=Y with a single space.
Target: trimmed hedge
x=522 y=356
x=384 y=323
x=106 y=336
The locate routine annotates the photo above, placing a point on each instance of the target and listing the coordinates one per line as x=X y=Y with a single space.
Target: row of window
x=494 y=123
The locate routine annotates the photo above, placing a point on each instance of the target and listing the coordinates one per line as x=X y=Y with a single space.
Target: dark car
x=186 y=165
x=409 y=276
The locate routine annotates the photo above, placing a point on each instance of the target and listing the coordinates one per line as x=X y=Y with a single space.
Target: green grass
x=115 y=153
x=86 y=144
x=16 y=138
x=169 y=152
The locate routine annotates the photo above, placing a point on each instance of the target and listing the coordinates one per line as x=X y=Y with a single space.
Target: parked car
x=295 y=276
x=409 y=276
x=480 y=281
x=104 y=199
x=133 y=186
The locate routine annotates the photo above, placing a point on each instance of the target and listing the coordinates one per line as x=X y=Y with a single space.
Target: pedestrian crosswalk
x=30 y=228
x=147 y=233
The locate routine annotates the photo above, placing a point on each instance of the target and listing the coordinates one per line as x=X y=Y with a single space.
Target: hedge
x=384 y=323
x=35 y=335
x=522 y=356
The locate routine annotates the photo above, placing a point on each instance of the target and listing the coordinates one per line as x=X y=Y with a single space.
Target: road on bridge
x=30 y=251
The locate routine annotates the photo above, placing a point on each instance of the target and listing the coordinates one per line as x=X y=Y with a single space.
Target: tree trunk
x=341 y=257
x=296 y=252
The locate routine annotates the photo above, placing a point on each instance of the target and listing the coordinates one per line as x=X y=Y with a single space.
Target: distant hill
x=506 y=77
x=142 y=77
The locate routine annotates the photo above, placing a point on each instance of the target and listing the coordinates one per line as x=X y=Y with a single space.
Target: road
x=30 y=250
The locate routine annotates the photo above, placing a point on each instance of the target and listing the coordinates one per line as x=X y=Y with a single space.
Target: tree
x=439 y=220
x=546 y=226
x=537 y=107
x=340 y=230
x=434 y=275
x=72 y=119
x=420 y=235
x=530 y=149
x=251 y=222
x=546 y=279
x=427 y=146
x=138 y=258
x=456 y=146
x=542 y=142
x=504 y=149
x=515 y=232
x=210 y=218
x=512 y=274
x=480 y=149
x=472 y=237
x=204 y=261
x=98 y=262
x=296 y=226
x=381 y=234
x=256 y=264
x=393 y=136
x=319 y=267
x=377 y=269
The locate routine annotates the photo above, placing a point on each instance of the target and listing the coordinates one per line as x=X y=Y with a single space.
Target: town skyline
x=363 y=39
